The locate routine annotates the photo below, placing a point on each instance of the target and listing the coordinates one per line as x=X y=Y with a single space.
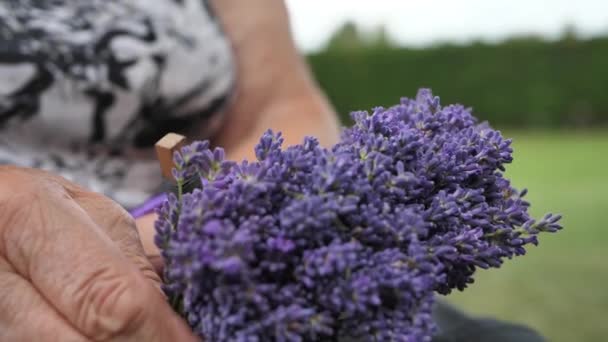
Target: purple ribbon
x=149 y=206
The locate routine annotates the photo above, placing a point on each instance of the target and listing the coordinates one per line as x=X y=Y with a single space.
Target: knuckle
x=19 y=221
x=18 y=188
x=111 y=305
x=15 y=181
x=12 y=195
x=123 y=218
x=99 y=204
x=23 y=208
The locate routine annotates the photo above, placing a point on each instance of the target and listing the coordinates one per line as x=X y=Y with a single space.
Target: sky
x=424 y=22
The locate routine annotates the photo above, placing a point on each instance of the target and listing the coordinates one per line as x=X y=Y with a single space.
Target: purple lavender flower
x=347 y=243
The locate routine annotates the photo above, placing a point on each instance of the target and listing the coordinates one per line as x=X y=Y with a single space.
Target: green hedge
x=518 y=83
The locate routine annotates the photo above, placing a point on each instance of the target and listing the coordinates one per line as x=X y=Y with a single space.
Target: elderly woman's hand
x=72 y=267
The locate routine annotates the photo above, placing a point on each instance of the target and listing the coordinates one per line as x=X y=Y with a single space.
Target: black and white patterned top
x=88 y=86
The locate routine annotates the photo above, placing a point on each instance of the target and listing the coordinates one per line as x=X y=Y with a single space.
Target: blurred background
x=538 y=71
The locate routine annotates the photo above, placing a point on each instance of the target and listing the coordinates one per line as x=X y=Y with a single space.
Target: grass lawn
x=560 y=287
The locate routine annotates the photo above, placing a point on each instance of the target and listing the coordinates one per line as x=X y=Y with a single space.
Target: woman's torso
x=88 y=86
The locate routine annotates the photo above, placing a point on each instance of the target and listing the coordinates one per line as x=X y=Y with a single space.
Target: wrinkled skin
x=72 y=267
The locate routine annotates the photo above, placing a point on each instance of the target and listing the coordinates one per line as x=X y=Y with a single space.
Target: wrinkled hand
x=72 y=267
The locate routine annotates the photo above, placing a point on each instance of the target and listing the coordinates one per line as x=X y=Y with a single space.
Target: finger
x=26 y=316
x=118 y=224
x=104 y=212
x=120 y=228
x=107 y=214
x=145 y=226
x=51 y=241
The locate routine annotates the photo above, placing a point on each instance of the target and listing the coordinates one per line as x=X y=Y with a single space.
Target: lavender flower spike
x=347 y=243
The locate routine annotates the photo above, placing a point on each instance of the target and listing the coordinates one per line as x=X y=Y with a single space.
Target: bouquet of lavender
x=352 y=242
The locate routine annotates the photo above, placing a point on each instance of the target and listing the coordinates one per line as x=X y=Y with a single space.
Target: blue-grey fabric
x=456 y=326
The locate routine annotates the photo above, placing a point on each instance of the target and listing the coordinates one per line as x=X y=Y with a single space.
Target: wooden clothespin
x=165 y=148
